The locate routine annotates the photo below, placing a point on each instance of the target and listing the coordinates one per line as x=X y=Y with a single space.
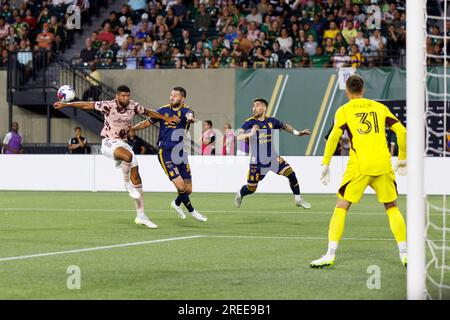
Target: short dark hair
x=209 y=122
x=123 y=88
x=77 y=128
x=181 y=90
x=261 y=100
x=355 y=84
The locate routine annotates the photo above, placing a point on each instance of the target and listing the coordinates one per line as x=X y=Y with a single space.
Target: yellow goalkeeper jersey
x=365 y=121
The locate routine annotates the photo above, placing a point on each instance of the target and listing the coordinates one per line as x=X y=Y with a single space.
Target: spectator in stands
x=136 y=143
x=228 y=140
x=130 y=26
x=150 y=61
x=208 y=139
x=59 y=32
x=149 y=27
x=78 y=144
x=185 y=40
x=332 y=31
x=369 y=55
x=179 y=9
x=4 y=28
x=189 y=60
x=94 y=91
x=105 y=55
x=25 y=59
x=45 y=39
x=310 y=45
x=123 y=53
x=356 y=58
x=285 y=41
x=254 y=16
x=137 y=5
x=121 y=37
x=132 y=60
x=12 y=143
x=342 y=59
x=88 y=54
x=106 y=35
x=319 y=59
x=203 y=20
x=349 y=31
x=213 y=11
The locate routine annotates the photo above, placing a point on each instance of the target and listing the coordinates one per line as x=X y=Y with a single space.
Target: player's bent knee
x=252 y=187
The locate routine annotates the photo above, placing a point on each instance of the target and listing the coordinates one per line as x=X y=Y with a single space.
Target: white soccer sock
x=126 y=168
x=402 y=247
x=332 y=247
x=139 y=203
x=297 y=197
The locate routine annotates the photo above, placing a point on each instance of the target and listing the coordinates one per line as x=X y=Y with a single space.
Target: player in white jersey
x=118 y=114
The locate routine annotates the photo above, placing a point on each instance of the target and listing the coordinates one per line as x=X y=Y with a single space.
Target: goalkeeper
x=369 y=164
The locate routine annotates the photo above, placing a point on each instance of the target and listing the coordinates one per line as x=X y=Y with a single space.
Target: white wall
x=210 y=174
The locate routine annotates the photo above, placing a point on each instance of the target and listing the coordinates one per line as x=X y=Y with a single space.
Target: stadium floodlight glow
x=415 y=99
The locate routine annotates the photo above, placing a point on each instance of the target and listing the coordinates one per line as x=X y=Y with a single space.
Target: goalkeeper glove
x=325 y=175
x=400 y=167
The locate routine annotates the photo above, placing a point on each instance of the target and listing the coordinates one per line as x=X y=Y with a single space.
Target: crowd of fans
x=40 y=26
x=250 y=34
x=150 y=34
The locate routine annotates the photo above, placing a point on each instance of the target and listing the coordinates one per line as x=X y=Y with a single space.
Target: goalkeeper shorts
x=353 y=186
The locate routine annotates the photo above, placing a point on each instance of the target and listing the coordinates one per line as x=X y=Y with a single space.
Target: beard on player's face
x=123 y=99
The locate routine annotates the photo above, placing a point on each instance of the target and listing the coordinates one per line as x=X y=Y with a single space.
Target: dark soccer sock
x=246 y=190
x=184 y=197
x=293 y=183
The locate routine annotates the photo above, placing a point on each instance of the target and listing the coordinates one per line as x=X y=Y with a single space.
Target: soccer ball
x=66 y=93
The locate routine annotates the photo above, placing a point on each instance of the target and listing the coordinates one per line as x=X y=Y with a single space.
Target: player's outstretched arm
x=142 y=125
x=241 y=135
x=159 y=116
x=287 y=127
x=86 y=105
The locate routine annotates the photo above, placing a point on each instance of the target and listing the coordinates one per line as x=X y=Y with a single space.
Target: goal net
x=428 y=274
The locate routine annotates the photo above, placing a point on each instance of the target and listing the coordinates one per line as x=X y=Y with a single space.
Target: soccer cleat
x=132 y=192
x=325 y=261
x=146 y=222
x=198 y=216
x=238 y=199
x=302 y=203
x=404 y=259
x=178 y=209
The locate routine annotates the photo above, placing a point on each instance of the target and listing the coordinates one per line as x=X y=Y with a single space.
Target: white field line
x=296 y=238
x=131 y=244
x=381 y=212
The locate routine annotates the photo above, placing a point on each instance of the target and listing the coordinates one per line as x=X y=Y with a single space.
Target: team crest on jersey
x=270 y=125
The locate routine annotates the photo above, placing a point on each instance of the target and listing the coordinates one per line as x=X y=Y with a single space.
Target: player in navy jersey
x=258 y=130
x=171 y=155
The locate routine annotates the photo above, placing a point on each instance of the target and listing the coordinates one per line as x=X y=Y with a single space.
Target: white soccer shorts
x=110 y=145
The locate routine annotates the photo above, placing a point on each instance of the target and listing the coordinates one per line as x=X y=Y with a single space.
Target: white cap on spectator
x=144 y=16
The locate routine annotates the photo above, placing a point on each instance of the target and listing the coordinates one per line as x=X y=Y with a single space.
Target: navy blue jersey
x=171 y=135
x=261 y=145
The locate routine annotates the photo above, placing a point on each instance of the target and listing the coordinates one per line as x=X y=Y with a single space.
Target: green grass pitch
x=260 y=251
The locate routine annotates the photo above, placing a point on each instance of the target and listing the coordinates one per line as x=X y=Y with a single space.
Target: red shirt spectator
x=45 y=38
x=228 y=141
x=106 y=34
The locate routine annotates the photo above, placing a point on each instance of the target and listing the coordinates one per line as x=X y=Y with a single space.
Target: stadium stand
x=266 y=33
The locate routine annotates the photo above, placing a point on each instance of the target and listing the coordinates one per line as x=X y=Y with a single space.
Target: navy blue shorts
x=174 y=168
x=258 y=172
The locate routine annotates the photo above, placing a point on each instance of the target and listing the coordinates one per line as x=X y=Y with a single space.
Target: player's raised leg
x=335 y=232
x=141 y=217
x=253 y=177
x=126 y=158
x=286 y=170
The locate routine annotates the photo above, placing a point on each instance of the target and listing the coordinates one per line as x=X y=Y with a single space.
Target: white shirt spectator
x=254 y=18
x=310 y=47
x=121 y=39
x=285 y=44
x=375 y=42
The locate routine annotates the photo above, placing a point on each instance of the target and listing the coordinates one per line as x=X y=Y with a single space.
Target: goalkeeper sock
x=398 y=227
x=184 y=197
x=336 y=229
x=246 y=190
